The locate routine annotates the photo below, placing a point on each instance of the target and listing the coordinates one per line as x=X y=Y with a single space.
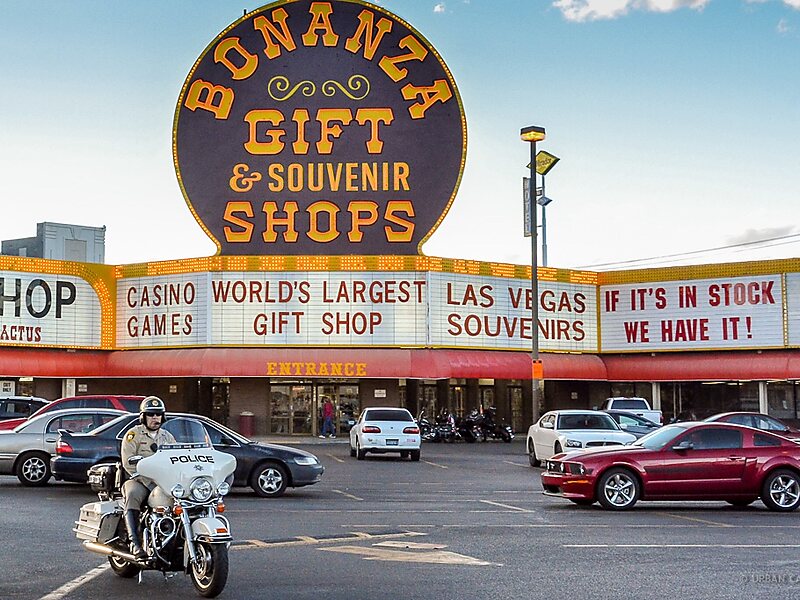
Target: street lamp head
x=543 y=200
x=532 y=134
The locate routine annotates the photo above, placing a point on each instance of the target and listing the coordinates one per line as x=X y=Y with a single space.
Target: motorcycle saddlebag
x=103 y=477
x=98 y=521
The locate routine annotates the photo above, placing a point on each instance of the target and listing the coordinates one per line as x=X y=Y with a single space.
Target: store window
x=782 y=399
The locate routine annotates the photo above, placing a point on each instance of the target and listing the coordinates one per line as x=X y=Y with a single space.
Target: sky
x=677 y=123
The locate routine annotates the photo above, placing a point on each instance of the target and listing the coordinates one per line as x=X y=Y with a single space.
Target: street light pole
x=544 y=227
x=532 y=135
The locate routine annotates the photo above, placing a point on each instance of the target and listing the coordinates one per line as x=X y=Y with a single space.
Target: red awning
x=705 y=366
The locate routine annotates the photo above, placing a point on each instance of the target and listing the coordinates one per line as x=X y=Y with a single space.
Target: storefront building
x=339 y=142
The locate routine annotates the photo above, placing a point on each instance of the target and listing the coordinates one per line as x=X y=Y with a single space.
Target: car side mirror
x=683 y=446
x=547 y=425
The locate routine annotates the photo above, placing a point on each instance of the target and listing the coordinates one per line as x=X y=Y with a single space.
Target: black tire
x=33 y=469
x=582 y=501
x=415 y=454
x=269 y=480
x=123 y=568
x=618 y=489
x=211 y=574
x=352 y=451
x=557 y=448
x=781 y=490
x=360 y=454
x=506 y=436
x=404 y=454
x=534 y=462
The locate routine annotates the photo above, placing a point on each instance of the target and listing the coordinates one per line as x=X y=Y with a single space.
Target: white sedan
x=563 y=430
x=385 y=429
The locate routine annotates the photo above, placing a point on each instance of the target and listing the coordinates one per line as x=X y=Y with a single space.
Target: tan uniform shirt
x=139 y=441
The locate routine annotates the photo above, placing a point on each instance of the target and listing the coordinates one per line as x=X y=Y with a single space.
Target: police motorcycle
x=180 y=525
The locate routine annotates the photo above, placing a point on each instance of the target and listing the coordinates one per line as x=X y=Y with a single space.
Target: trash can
x=246 y=423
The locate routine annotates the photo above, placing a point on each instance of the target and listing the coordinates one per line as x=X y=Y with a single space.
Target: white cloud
x=594 y=10
x=783 y=26
x=439 y=8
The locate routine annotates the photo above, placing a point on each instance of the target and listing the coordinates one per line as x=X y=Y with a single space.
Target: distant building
x=60 y=241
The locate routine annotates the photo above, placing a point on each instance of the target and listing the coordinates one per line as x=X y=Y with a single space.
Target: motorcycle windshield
x=188 y=433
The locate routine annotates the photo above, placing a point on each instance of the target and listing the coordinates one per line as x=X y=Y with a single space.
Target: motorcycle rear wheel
x=123 y=568
x=210 y=573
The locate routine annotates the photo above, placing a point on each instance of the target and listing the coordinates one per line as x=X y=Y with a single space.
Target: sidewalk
x=295 y=440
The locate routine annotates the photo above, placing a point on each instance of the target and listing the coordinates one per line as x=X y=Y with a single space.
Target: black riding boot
x=132 y=525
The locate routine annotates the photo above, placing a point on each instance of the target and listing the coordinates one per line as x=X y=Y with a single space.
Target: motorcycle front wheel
x=210 y=571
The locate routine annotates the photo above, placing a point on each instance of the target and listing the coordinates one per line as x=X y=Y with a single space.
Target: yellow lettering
x=327 y=116
x=221 y=56
x=266 y=115
x=320 y=20
x=209 y=93
x=357 y=208
x=268 y=31
x=416 y=52
x=365 y=29
x=348 y=370
x=275 y=172
x=373 y=116
x=438 y=92
x=323 y=369
x=322 y=206
x=361 y=369
x=401 y=170
x=247 y=227
x=285 y=368
x=301 y=117
x=311 y=368
x=272 y=368
x=270 y=235
x=403 y=206
x=336 y=369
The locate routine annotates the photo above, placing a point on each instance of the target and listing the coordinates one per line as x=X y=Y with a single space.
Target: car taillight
x=411 y=430
x=63 y=448
x=370 y=429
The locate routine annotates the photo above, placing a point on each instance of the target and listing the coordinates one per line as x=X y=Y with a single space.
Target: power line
x=742 y=245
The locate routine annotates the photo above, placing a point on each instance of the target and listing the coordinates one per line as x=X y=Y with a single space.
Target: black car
x=267 y=468
x=632 y=423
x=19 y=407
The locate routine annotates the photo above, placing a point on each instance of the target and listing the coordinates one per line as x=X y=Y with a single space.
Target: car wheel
x=415 y=454
x=352 y=451
x=535 y=462
x=360 y=454
x=781 y=490
x=269 y=480
x=582 y=501
x=33 y=469
x=557 y=448
x=618 y=489
x=404 y=454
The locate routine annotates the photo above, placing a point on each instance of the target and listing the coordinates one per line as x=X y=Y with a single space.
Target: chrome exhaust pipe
x=99 y=548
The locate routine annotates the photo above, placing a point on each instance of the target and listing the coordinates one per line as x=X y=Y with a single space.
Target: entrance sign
x=319 y=128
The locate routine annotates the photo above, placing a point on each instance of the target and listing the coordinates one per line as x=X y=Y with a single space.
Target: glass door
x=290 y=409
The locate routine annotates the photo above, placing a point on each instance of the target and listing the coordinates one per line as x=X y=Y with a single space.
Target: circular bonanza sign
x=319 y=128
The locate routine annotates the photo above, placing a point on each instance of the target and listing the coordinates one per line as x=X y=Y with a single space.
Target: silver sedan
x=26 y=451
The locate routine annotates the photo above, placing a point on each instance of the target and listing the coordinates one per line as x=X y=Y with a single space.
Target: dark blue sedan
x=268 y=468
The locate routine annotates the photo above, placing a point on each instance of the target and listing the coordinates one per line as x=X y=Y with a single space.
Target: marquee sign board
x=319 y=128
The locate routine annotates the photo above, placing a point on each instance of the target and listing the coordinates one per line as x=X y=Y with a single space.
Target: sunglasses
x=151 y=414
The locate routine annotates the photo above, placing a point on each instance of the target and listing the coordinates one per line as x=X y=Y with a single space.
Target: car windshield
x=656 y=440
x=187 y=433
x=587 y=421
x=388 y=415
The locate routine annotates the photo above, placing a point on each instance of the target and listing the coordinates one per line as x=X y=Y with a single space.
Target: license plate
x=391 y=442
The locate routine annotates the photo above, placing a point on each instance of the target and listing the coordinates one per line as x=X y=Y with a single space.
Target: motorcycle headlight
x=223 y=489
x=178 y=491
x=573 y=444
x=305 y=460
x=201 y=489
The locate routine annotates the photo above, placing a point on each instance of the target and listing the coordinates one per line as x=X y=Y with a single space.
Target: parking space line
x=680 y=545
x=336 y=458
x=516 y=464
x=427 y=462
x=307 y=540
x=345 y=494
x=75 y=583
x=508 y=506
x=696 y=520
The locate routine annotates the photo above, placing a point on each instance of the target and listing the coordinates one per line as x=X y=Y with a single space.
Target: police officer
x=142 y=440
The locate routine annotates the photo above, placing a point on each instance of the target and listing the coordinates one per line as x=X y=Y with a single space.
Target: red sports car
x=684 y=461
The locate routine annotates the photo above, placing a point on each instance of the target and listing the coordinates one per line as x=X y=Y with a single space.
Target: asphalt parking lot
x=467 y=520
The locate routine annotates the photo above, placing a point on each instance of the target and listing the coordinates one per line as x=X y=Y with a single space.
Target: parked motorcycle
x=427 y=430
x=181 y=528
x=490 y=428
x=468 y=428
x=446 y=427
